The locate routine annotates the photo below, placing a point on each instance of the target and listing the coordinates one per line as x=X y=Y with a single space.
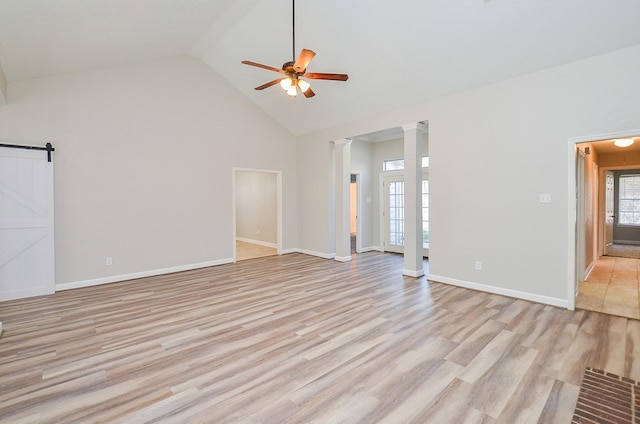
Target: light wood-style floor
x=246 y=251
x=298 y=339
x=613 y=287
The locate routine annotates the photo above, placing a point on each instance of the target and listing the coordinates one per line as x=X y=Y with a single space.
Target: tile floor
x=246 y=250
x=612 y=288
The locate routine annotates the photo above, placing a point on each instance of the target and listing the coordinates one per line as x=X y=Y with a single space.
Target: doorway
x=353 y=214
x=606 y=281
x=257 y=213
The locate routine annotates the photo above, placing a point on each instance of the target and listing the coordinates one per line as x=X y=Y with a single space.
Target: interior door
x=394 y=213
x=609 y=199
x=26 y=224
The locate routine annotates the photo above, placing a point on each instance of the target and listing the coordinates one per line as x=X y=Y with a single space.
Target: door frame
x=572 y=217
x=381 y=227
x=278 y=174
x=602 y=207
x=395 y=177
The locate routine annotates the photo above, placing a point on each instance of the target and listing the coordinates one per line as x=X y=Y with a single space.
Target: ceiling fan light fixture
x=623 y=142
x=286 y=83
x=304 y=86
x=296 y=68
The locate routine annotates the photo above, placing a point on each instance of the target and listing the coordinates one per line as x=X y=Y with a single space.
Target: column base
x=411 y=273
x=343 y=258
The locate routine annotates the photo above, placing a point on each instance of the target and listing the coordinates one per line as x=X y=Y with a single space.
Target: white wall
x=3 y=86
x=257 y=206
x=315 y=199
x=493 y=151
x=143 y=164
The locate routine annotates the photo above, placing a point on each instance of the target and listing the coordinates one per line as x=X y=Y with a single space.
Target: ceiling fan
x=296 y=69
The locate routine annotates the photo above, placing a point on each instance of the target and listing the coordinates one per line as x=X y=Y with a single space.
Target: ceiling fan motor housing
x=288 y=67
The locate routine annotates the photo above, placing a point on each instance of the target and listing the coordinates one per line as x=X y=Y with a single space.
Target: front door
x=26 y=224
x=609 y=216
x=394 y=213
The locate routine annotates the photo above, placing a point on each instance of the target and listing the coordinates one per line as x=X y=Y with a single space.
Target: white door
x=608 y=212
x=26 y=224
x=394 y=213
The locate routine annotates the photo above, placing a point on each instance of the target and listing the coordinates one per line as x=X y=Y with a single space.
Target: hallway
x=612 y=287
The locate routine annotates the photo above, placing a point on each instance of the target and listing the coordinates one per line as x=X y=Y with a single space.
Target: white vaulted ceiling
x=396 y=53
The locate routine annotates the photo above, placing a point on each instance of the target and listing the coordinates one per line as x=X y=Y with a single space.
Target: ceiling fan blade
x=320 y=75
x=308 y=93
x=269 y=84
x=260 y=65
x=304 y=58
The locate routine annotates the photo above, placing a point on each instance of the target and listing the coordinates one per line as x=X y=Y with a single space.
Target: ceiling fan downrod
x=293 y=30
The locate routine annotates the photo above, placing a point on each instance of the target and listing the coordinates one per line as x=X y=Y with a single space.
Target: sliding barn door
x=26 y=224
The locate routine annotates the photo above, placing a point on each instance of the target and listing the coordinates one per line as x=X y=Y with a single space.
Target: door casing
x=572 y=186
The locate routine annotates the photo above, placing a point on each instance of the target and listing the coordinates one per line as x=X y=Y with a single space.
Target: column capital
x=414 y=126
x=342 y=141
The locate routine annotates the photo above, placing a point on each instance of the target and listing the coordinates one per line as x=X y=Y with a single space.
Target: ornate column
x=413 y=137
x=342 y=153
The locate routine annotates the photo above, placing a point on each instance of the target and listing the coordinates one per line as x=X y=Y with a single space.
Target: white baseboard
x=287 y=251
x=258 y=242
x=370 y=249
x=590 y=268
x=562 y=303
x=132 y=276
x=318 y=254
x=411 y=273
x=343 y=258
x=332 y=255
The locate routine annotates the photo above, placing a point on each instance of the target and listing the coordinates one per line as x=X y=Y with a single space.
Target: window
x=393 y=165
x=398 y=164
x=425 y=214
x=396 y=213
x=395 y=216
x=629 y=200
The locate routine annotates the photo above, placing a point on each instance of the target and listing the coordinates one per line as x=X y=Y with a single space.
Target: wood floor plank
x=476 y=342
x=560 y=403
x=298 y=339
x=530 y=397
x=442 y=410
x=498 y=386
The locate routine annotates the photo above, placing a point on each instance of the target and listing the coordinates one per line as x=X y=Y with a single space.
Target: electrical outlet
x=478 y=266
x=108 y=261
x=545 y=198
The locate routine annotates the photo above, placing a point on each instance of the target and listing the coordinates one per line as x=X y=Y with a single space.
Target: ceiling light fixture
x=624 y=142
x=286 y=83
x=296 y=68
x=303 y=85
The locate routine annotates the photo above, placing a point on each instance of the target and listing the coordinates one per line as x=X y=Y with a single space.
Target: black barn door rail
x=48 y=147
